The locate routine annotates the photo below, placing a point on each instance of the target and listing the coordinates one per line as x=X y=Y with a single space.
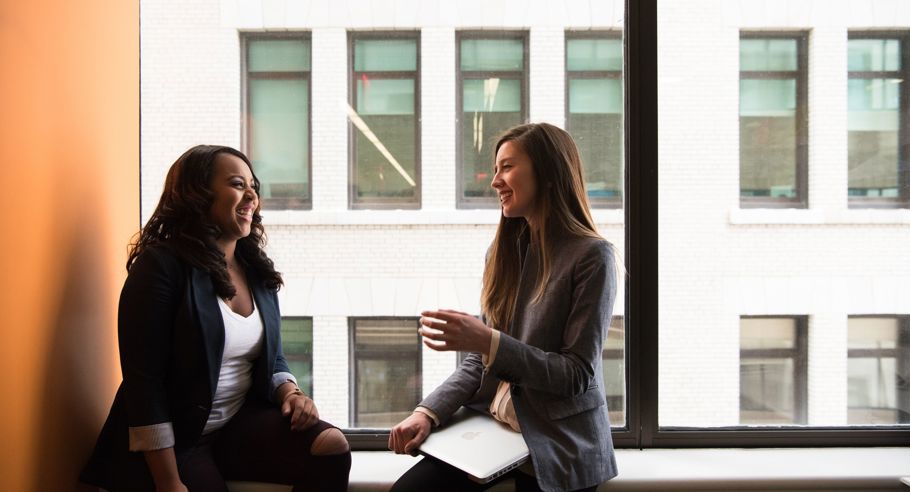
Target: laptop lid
x=477 y=444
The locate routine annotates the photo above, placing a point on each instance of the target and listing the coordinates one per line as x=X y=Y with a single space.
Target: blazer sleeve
x=148 y=307
x=456 y=390
x=570 y=371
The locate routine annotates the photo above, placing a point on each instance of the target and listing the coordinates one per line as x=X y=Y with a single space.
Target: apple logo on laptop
x=470 y=435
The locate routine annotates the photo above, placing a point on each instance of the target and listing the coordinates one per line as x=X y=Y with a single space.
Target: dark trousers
x=432 y=474
x=258 y=445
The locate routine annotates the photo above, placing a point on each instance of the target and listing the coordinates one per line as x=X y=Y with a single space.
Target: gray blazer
x=552 y=359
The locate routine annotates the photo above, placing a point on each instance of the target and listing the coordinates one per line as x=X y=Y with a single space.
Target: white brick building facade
x=717 y=261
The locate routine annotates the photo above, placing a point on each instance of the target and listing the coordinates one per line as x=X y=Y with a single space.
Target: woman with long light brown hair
x=548 y=290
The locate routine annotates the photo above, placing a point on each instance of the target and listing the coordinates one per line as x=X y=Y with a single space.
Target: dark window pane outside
x=595 y=114
x=278 y=119
x=492 y=55
x=385 y=55
x=768 y=132
x=876 y=55
x=279 y=55
x=385 y=167
x=614 y=369
x=388 y=373
x=768 y=54
x=279 y=137
x=490 y=106
x=874 y=120
x=878 y=371
x=772 y=372
x=297 y=343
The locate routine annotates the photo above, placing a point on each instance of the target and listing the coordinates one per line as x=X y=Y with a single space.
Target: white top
x=242 y=344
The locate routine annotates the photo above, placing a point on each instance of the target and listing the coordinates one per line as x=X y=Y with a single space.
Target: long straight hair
x=560 y=207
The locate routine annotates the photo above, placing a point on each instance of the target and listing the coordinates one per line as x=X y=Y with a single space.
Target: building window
x=384 y=124
x=614 y=368
x=594 y=111
x=773 y=370
x=387 y=370
x=773 y=151
x=297 y=343
x=877 y=127
x=878 y=370
x=277 y=118
x=492 y=95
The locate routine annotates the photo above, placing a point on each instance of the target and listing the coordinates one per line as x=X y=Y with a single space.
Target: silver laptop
x=477 y=444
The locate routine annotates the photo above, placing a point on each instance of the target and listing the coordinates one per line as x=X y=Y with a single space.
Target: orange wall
x=69 y=151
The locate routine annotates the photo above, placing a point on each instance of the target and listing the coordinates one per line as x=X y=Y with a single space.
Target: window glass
x=278 y=124
x=387 y=365
x=878 y=371
x=384 y=124
x=614 y=369
x=771 y=372
x=595 y=114
x=873 y=121
x=492 y=78
x=297 y=343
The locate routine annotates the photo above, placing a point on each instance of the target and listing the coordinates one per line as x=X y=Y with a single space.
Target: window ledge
x=829 y=469
x=406 y=217
x=796 y=216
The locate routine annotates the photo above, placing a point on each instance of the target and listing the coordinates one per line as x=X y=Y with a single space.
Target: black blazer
x=171 y=337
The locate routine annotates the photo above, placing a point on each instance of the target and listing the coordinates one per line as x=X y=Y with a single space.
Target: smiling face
x=234 y=199
x=514 y=181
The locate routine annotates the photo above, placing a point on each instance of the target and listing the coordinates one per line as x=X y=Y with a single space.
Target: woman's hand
x=410 y=433
x=454 y=330
x=301 y=409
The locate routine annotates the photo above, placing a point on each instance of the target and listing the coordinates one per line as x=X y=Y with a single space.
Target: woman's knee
x=329 y=442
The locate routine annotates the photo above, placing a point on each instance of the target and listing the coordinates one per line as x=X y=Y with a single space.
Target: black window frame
x=903 y=364
x=372 y=438
x=246 y=127
x=801 y=200
x=384 y=203
x=903 y=135
x=595 y=202
x=462 y=202
x=799 y=353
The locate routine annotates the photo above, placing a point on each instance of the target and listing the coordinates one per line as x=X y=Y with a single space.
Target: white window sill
x=828 y=469
x=407 y=217
x=797 y=216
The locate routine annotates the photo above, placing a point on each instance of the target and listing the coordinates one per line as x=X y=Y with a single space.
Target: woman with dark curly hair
x=206 y=394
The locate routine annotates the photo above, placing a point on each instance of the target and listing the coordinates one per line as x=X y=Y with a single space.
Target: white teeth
x=503 y=196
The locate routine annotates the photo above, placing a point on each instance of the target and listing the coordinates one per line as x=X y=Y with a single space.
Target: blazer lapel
x=211 y=324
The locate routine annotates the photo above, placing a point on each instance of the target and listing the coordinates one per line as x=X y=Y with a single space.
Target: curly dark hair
x=181 y=223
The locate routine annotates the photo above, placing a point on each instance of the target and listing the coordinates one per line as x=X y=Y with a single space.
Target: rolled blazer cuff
x=494 y=347
x=280 y=378
x=152 y=437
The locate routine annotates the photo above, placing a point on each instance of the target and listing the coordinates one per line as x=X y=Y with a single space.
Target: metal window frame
x=801 y=75
x=368 y=438
x=462 y=202
x=601 y=202
x=903 y=135
x=375 y=203
x=245 y=121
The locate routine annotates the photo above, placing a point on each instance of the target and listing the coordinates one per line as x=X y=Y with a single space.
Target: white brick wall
x=717 y=262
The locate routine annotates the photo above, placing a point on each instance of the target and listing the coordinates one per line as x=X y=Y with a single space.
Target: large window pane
x=387 y=371
x=614 y=369
x=492 y=79
x=878 y=370
x=594 y=118
x=278 y=119
x=384 y=123
x=297 y=342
